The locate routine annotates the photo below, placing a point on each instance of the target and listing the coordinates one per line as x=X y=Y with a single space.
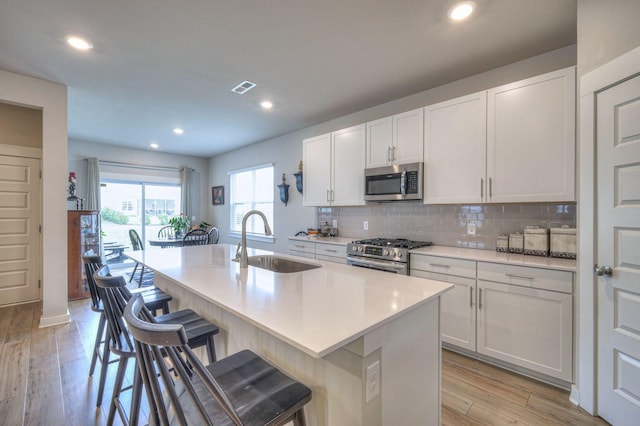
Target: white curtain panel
x=93 y=184
x=186 y=192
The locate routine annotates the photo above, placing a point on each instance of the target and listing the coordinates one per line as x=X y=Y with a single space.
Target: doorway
x=142 y=206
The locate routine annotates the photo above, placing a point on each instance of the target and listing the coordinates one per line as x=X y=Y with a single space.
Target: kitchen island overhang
x=324 y=327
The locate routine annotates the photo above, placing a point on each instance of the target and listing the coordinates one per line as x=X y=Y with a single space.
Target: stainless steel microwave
x=394 y=183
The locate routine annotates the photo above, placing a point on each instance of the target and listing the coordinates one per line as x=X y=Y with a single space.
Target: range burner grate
x=394 y=242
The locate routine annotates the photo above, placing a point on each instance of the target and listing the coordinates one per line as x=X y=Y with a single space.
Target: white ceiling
x=161 y=64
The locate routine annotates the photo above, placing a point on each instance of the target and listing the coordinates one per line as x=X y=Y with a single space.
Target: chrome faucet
x=267 y=231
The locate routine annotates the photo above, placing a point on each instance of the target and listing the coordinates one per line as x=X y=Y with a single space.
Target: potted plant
x=180 y=224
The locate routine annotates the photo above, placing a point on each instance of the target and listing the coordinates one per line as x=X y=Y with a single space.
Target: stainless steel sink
x=280 y=264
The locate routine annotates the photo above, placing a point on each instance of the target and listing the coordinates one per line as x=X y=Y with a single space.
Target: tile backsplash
x=446 y=225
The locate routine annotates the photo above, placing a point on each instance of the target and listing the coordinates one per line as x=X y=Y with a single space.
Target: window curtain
x=186 y=192
x=93 y=184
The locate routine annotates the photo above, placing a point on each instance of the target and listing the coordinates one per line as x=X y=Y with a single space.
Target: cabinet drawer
x=302 y=246
x=443 y=265
x=545 y=279
x=334 y=250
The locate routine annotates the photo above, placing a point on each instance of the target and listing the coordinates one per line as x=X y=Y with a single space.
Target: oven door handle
x=400 y=267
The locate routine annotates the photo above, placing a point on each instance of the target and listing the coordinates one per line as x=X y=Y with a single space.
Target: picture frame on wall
x=217 y=195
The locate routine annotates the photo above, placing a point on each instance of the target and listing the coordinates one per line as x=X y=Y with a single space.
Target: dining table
x=166 y=242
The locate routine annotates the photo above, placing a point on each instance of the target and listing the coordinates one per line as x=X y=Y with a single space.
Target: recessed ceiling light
x=266 y=104
x=243 y=87
x=154 y=146
x=178 y=131
x=78 y=43
x=462 y=10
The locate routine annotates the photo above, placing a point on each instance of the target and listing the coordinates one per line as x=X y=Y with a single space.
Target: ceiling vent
x=243 y=87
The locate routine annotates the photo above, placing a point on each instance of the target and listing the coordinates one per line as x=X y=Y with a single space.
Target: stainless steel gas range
x=383 y=254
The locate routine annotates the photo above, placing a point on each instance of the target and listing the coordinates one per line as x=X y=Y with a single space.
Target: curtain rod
x=141 y=166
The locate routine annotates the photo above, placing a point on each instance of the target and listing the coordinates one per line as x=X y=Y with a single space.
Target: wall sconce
x=284 y=190
x=298 y=176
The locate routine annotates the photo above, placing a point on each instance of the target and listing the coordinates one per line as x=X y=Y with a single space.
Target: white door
x=379 y=141
x=19 y=229
x=618 y=247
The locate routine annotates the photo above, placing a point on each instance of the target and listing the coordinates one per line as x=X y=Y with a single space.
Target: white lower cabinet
x=457 y=310
x=328 y=252
x=525 y=325
x=336 y=253
x=519 y=315
x=302 y=248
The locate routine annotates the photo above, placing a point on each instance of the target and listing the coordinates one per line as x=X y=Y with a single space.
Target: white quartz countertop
x=499 y=257
x=316 y=311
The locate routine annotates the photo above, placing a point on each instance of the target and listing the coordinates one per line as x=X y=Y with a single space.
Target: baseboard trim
x=56 y=320
x=574 y=396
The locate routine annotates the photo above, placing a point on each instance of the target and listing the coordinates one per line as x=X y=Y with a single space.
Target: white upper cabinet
x=334 y=168
x=514 y=143
x=317 y=170
x=455 y=150
x=531 y=139
x=395 y=140
x=348 y=147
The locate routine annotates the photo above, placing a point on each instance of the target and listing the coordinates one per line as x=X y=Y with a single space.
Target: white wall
x=79 y=150
x=286 y=151
x=52 y=99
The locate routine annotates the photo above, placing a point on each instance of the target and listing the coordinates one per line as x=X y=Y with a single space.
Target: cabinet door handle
x=471 y=297
x=331 y=251
x=328 y=196
x=439 y=265
x=333 y=197
x=393 y=153
x=524 y=277
x=481 y=189
x=298 y=246
x=388 y=154
x=490 y=188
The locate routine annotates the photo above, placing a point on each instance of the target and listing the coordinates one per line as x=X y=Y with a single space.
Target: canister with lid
x=516 y=243
x=536 y=241
x=563 y=242
x=502 y=243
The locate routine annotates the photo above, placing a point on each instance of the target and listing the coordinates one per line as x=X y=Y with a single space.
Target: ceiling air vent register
x=243 y=87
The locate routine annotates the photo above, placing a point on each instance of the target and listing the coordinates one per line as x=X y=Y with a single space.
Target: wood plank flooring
x=44 y=380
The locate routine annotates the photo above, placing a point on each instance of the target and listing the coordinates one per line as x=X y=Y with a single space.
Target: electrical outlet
x=372 y=381
x=365 y=225
x=471 y=229
x=335 y=223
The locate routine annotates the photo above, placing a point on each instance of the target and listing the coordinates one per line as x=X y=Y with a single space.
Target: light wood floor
x=43 y=380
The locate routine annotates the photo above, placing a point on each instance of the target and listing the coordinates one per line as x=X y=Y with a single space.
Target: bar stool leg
x=96 y=345
x=211 y=349
x=136 y=396
x=103 y=371
x=117 y=388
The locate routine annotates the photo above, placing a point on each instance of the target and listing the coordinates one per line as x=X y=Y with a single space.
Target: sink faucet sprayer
x=243 y=245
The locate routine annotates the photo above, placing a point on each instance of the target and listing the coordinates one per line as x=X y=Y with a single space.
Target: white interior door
x=618 y=248
x=19 y=229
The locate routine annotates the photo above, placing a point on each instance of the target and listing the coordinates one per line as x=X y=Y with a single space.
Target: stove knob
x=399 y=254
x=386 y=252
x=359 y=248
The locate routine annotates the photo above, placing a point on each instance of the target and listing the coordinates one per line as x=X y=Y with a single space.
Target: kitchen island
x=331 y=328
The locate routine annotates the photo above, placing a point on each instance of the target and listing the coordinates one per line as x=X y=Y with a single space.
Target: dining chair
x=136 y=244
x=214 y=235
x=196 y=237
x=154 y=299
x=166 y=232
x=241 y=389
x=198 y=332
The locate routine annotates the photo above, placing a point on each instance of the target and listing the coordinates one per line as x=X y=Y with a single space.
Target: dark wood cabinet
x=83 y=234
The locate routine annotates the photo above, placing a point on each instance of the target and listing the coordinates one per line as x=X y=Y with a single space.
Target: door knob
x=603 y=270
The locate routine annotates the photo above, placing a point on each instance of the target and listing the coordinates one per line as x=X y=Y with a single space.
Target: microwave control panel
x=412 y=182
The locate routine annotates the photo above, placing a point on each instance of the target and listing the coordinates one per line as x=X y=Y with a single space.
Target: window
x=127 y=206
x=251 y=189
